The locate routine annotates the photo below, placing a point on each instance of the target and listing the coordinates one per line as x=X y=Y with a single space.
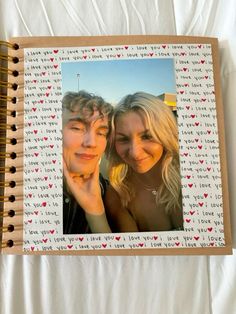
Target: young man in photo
x=86 y=126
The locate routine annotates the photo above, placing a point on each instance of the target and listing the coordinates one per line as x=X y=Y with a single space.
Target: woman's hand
x=86 y=190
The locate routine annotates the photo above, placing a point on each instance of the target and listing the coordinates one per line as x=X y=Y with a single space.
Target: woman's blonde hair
x=163 y=128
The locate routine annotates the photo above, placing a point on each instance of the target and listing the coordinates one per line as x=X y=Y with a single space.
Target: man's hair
x=84 y=105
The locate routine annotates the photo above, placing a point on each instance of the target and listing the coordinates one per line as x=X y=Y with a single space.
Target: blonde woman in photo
x=145 y=188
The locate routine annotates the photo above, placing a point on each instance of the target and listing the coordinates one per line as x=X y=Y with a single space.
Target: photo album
x=113 y=145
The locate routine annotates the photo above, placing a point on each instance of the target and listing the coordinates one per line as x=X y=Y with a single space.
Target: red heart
x=35 y=131
x=44 y=204
x=196 y=238
x=208 y=168
x=118 y=55
x=35 y=81
x=93 y=49
x=117 y=238
x=36 y=170
x=55 y=66
x=51 y=146
x=177 y=243
x=85 y=57
x=43 y=73
x=36 y=154
x=155 y=237
x=151 y=54
x=49 y=87
x=70 y=246
x=212 y=244
x=36 y=212
x=209 y=229
x=190 y=185
x=206 y=77
x=81 y=239
x=197 y=123
x=202 y=61
x=200 y=146
x=187 y=107
x=164 y=46
x=34 y=109
x=47 y=94
x=126 y=47
x=205 y=195
x=32 y=248
x=201 y=161
x=192 y=212
x=188 y=177
x=104 y=245
x=185 y=69
x=51 y=231
x=188 y=220
x=50 y=185
x=52 y=59
x=55 y=51
x=203 y=99
x=193 y=115
x=141 y=244
x=30 y=195
x=45 y=178
x=41 y=101
x=181 y=92
x=45 y=138
x=54 y=161
x=200 y=204
x=30 y=221
x=53 y=116
x=45 y=240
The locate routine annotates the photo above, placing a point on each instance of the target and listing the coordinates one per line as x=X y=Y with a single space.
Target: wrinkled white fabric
x=117 y=285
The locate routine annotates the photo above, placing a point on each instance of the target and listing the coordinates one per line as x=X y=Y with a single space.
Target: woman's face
x=134 y=142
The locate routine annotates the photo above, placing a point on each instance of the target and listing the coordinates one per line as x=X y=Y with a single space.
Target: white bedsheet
x=140 y=285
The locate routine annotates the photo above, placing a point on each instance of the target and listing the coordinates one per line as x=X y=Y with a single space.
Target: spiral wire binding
x=4 y=112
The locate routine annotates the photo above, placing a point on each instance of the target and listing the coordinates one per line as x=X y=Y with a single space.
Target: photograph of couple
x=140 y=189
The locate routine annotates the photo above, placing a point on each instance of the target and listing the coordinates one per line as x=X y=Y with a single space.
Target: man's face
x=84 y=142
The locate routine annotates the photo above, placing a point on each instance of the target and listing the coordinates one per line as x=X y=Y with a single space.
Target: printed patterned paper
x=198 y=139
